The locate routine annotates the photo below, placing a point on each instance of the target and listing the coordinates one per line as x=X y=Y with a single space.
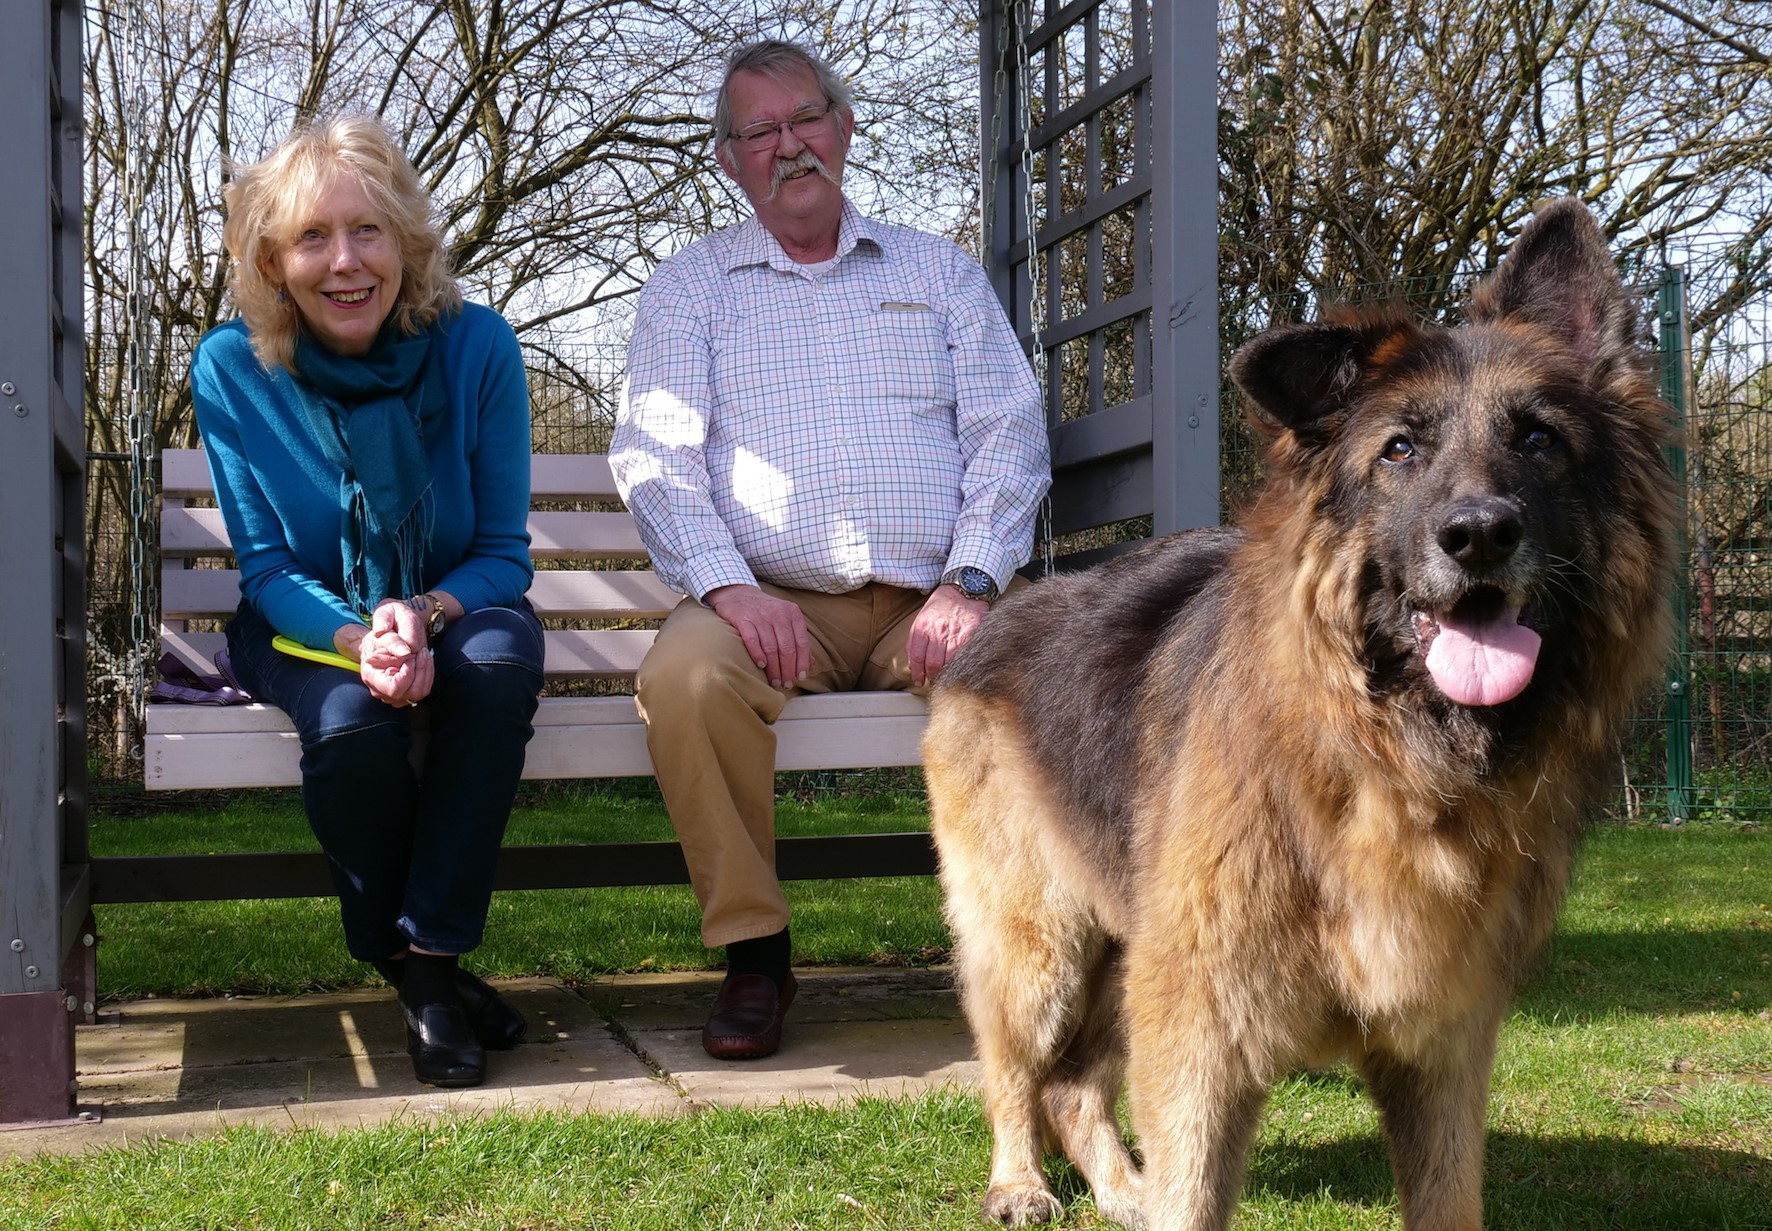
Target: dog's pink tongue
x=1483 y=664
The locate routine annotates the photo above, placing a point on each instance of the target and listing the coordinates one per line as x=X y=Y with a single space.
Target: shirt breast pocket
x=911 y=367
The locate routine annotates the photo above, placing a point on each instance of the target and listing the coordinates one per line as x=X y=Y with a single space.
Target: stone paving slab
x=184 y=1068
x=833 y=1063
x=628 y=1043
x=850 y=1034
x=679 y=1000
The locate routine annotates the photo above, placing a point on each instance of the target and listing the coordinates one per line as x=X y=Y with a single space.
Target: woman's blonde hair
x=269 y=202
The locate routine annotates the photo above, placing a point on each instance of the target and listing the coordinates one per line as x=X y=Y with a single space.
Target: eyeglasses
x=767 y=135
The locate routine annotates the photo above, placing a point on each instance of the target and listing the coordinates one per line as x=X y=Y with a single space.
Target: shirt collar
x=752 y=244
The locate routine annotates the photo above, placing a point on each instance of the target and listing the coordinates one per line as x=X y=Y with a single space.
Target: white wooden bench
x=591 y=573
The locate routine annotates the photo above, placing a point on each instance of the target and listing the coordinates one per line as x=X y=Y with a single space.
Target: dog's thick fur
x=1205 y=813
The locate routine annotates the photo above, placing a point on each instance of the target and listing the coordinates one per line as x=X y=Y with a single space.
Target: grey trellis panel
x=1122 y=159
x=43 y=902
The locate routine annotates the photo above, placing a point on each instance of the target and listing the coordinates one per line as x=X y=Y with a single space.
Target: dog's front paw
x=1020 y=1205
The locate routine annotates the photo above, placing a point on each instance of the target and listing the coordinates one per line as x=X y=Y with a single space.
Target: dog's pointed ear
x=1295 y=377
x=1559 y=276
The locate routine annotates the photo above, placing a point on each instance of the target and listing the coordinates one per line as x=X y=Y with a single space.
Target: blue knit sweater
x=279 y=494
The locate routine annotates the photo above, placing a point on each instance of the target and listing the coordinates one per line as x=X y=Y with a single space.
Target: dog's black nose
x=1481 y=532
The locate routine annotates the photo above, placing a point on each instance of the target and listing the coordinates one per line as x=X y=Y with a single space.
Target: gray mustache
x=805 y=160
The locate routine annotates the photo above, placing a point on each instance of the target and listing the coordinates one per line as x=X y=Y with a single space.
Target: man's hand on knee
x=947 y=621
x=773 y=629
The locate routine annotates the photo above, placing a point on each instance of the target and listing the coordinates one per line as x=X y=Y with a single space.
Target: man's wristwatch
x=430 y=607
x=974 y=583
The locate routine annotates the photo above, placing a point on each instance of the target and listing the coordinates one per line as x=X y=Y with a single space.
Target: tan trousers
x=708 y=710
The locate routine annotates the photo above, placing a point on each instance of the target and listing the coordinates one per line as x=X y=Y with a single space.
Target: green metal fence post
x=1675 y=346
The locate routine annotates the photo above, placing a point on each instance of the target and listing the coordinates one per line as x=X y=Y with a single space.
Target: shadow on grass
x=1531 y=1181
x=1664 y=972
x=1544 y=1183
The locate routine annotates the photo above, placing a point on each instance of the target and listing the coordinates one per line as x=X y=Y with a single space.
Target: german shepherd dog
x=1241 y=801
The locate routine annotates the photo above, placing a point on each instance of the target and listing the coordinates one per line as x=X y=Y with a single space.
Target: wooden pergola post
x=45 y=923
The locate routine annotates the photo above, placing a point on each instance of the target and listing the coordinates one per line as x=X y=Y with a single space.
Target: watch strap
x=973 y=582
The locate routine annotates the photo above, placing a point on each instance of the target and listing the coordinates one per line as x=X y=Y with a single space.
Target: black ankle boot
x=439 y=1038
x=495 y=1021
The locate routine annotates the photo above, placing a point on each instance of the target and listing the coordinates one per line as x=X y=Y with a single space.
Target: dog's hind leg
x=1433 y=1115
x=1024 y=963
x=1082 y=1096
x=1024 y=947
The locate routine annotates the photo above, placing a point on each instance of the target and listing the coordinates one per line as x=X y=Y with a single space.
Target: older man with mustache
x=835 y=449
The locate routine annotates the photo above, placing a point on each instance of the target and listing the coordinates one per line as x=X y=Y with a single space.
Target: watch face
x=976 y=583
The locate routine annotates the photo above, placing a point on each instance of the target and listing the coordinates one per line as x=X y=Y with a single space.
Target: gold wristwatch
x=435 y=618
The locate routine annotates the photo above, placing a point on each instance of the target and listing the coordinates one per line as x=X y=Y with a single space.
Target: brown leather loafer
x=747 y=1016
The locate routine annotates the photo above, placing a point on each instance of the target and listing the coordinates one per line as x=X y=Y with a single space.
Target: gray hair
x=778 y=59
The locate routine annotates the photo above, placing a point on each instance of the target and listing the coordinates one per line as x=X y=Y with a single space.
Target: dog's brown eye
x=1400 y=449
x=1540 y=438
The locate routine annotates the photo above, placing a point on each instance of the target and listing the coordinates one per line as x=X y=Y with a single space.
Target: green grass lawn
x=1633 y=1089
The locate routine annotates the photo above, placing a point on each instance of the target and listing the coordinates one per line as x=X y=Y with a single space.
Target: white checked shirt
x=874 y=421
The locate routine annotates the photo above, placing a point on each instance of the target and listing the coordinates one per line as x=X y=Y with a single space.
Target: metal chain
x=139 y=415
x=1024 y=118
x=1025 y=131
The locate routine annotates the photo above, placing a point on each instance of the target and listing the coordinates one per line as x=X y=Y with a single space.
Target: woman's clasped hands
x=393 y=654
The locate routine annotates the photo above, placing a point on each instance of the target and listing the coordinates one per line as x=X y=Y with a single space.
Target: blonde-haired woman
x=369 y=437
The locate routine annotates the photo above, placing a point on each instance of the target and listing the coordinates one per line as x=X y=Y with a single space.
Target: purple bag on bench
x=181 y=683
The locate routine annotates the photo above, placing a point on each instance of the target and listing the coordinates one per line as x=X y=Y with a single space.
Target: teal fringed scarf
x=369 y=415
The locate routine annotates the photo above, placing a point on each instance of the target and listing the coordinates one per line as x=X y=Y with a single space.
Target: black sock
x=765 y=955
x=429 y=979
x=392 y=969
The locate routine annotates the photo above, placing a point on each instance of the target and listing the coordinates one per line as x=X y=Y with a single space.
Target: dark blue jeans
x=412 y=853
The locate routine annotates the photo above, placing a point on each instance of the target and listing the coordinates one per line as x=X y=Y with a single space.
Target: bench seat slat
x=567 y=712
x=193 y=746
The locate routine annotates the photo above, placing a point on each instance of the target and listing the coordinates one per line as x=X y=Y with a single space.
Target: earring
x=281 y=297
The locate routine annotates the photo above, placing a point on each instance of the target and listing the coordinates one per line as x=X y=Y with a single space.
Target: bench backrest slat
x=570 y=653
x=187 y=533
x=184 y=475
x=637 y=594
